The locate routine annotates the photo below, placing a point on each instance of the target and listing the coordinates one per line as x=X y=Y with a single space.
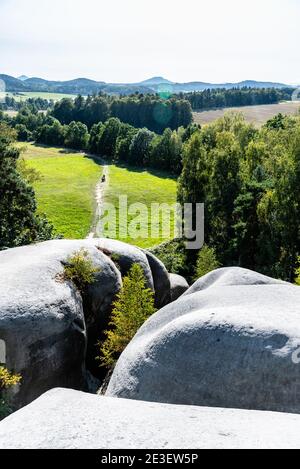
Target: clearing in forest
x=66 y=192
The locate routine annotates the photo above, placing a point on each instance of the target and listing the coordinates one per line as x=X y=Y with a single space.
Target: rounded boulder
x=232 y=340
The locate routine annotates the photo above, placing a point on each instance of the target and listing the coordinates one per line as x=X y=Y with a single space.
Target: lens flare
x=165 y=91
x=162 y=113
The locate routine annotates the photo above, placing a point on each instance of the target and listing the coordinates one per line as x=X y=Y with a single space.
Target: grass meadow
x=144 y=187
x=66 y=192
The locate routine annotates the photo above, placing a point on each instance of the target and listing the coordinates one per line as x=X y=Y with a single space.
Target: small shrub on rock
x=7 y=380
x=133 y=306
x=80 y=270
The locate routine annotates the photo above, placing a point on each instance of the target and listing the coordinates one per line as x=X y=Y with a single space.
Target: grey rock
x=179 y=286
x=124 y=255
x=66 y=419
x=161 y=280
x=233 y=276
x=42 y=319
x=229 y=341
x=50 y=330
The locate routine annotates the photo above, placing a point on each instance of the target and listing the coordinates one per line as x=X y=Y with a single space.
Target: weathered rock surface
x=229 y=341
x=125 y=255
x=41 y=318
x=161 y=279
x=65 y=419
x=45 y=322
x=179 y=286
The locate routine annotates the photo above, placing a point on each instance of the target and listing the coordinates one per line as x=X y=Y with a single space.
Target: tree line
x=39 y=104
x=138 y=110
x=114 y=140
x=249 y=181
x=20 y=222
x=235 y=97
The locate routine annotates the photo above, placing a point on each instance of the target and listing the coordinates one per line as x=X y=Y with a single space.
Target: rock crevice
x=48 y=327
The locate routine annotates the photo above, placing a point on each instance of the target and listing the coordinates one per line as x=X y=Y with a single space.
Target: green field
x=144 y=187
x=22 y=96
x=66 y=193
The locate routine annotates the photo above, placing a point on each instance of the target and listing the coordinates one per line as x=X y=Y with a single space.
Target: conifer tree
x=20 y=223
x=133 y=306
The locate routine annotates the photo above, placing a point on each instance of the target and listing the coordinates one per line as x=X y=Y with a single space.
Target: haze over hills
x=156 y=81
x=152 y=85
x=23 y=78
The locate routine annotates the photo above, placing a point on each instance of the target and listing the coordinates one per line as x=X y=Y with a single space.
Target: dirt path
x=99 y=195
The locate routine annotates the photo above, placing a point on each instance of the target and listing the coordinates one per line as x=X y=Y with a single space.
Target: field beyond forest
x=258 y=115
x=24 y=95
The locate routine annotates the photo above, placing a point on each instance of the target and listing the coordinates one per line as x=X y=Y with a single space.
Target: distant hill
x=156 y=81
x=200 y=86
x=85 y=86
x=23 y=78
x=13 y=84
x=258 y=84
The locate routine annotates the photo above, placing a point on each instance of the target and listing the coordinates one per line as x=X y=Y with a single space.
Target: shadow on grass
x=133 y=169
x=68 y=151
x=100 y=160
x=154 y=172
x=63 y=151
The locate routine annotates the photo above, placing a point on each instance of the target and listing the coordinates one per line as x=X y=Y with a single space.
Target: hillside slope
x=153 y=85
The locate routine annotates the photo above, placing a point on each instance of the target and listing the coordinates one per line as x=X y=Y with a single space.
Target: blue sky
x=130 y=40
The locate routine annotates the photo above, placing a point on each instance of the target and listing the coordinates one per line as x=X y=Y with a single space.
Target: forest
x=118 y=141
x=12 y=104
x=248 y=178
x=236 y=97
x=249 y=181
x=150 y=111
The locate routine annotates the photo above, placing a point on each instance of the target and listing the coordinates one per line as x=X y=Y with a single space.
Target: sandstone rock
x=229 y=341
x=161 y=280
x=66 y=419
x=233 y=276
x=50 y=330
x=124 y=255
x=41 y=318
x=179 y=286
